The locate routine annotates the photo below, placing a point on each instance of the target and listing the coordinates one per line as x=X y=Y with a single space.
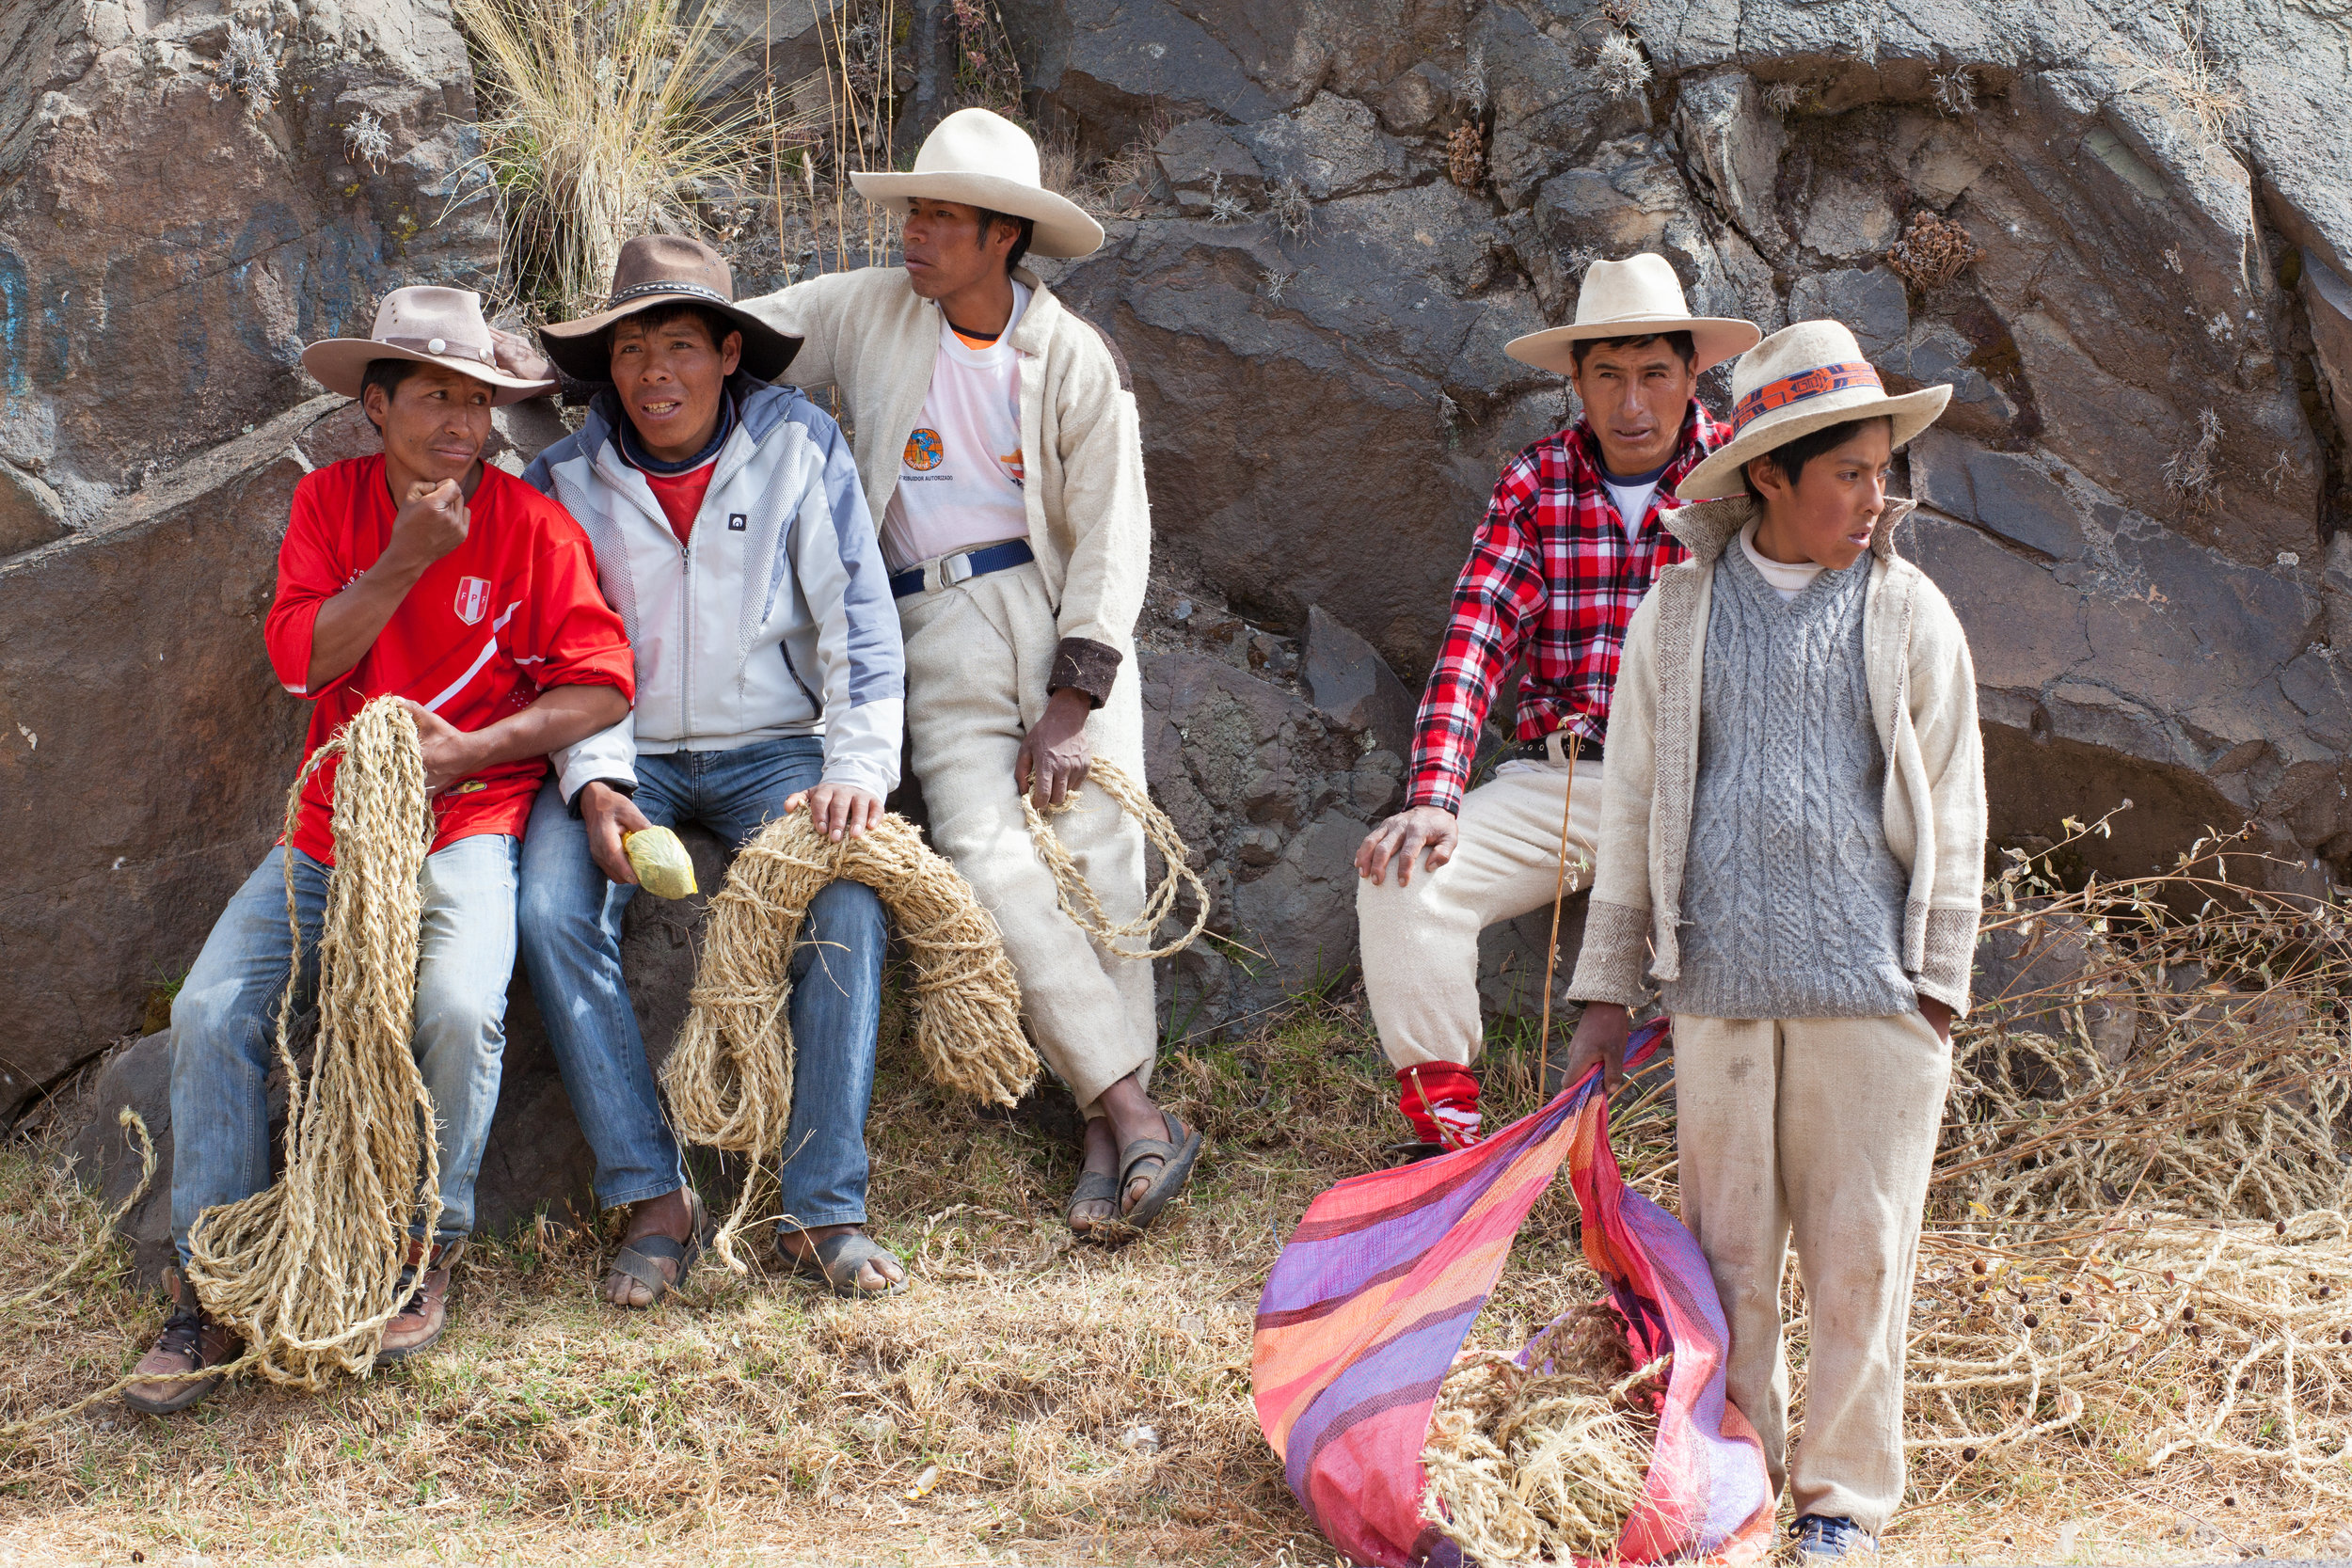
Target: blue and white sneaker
x=1824 y=1538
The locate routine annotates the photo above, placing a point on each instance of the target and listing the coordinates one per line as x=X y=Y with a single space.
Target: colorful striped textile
x=1376 y=1291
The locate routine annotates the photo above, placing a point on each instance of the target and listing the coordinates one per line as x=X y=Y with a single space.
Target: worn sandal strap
x=837 y=1259
x=1093 y=1187
x=639 y=1260
x=1140 y=1150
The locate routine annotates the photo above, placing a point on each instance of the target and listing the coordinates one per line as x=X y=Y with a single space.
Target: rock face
x=188 y=193
x=2146 y=323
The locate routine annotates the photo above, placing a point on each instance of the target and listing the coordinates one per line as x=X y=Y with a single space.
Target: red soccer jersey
x=512 y=610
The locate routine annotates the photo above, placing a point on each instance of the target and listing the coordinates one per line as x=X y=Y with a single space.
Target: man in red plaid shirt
x=1573 y=540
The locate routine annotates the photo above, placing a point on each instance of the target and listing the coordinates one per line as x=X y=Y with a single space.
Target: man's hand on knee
x=838 y=811
x=1600 y=1036
x=611 y=816
x=1430 y=831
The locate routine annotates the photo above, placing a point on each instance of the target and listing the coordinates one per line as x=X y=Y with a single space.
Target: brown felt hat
x=666 y=269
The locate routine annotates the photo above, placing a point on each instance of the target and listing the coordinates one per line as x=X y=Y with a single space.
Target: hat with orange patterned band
x=1794 y=383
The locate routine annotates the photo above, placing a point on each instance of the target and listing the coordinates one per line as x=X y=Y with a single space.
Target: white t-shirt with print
x=959 y=477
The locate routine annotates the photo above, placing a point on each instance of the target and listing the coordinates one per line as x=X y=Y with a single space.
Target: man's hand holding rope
x=1055 y=757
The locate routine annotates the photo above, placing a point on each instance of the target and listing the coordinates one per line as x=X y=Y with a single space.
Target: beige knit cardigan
x=870 y=334
x=1923 y=698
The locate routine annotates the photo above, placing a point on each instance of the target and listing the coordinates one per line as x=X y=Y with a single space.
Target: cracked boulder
x=2120 y=235
x=189 y=193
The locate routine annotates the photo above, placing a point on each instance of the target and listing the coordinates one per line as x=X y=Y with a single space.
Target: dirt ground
x=1027 y=1401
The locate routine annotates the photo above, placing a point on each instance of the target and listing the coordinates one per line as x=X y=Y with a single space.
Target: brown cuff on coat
x=1948 y=957
x=1612 y=965
x=1083 y=665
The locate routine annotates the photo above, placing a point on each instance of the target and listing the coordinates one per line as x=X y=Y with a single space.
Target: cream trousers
x=978 y=655
x=1824 y=1129
x=1420 y=940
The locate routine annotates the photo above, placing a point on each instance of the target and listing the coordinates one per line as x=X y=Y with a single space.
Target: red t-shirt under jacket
x=512 y=610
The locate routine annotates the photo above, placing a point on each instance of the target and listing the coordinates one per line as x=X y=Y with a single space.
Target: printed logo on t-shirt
x=924 y=451
x=1013 y=465
x=474 y=599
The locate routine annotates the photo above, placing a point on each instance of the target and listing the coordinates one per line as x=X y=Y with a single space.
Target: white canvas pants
x=977 y=656
x=1420 y=940
x=1823 y=1131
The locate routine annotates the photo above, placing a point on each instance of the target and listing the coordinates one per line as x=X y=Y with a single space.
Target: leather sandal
x=1176 y=1153
x=418 y=1324
x=1094 y=1186
x=838 y=1261
x=192 y=1340
x=642 y=1259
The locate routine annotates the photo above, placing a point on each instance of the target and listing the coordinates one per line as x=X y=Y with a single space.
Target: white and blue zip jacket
x=773 y=619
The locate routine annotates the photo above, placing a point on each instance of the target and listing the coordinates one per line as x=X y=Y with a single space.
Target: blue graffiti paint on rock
x=14 y=297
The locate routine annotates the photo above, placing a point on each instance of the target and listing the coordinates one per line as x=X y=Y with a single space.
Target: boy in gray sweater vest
x=1792 y=846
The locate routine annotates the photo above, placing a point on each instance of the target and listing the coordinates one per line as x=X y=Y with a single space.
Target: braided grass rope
x=729 y=1078
x=308 y=1270
x=1078 y=901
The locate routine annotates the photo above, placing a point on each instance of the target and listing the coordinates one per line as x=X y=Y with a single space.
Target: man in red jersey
x=1573 y=540
x=419 y=573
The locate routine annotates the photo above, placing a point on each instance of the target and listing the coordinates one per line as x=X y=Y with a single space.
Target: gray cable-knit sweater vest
x=1793 y=902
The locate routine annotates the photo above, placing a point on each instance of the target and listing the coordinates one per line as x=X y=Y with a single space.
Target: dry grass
x=594 y=129
x=1030 y=1401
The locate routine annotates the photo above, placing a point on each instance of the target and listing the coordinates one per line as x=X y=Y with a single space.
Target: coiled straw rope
x=730 y=1076
x=308 y=1270
x=1077 y=900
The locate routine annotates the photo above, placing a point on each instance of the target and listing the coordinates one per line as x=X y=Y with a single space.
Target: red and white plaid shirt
x=1551 y=578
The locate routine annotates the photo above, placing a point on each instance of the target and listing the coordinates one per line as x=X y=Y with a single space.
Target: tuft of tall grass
x=601 y=122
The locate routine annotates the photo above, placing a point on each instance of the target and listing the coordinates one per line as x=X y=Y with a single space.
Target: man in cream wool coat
x=997 y=435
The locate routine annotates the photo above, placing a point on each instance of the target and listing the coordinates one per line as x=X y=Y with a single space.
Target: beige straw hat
x=433 y=326
x=666 y=269
x=982 y=159
x=1635 y=297
x=1794 y=383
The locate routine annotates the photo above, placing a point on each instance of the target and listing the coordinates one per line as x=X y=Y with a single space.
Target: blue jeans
x=224 y=1025
x=571 y=945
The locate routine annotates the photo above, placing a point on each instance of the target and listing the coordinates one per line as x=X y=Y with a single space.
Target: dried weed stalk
x=1933 y=252
x=2189 y=472
x=1466 y=156
x=1619 y=68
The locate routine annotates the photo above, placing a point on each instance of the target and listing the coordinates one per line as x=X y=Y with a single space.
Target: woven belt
x=1540 y=750
x=963 y=566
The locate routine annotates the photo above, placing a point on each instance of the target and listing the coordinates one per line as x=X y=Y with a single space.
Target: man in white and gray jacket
x=997 y=438
x=732 y=536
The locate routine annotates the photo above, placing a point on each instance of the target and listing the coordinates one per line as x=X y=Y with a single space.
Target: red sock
x=1441 y=1100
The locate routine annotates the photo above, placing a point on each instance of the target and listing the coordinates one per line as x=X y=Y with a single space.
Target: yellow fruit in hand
x=663 y=867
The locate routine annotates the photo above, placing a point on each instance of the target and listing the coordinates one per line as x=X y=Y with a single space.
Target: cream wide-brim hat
x=1639 y=296
x=1795 y=382
x=430 y=325
x=982 y=159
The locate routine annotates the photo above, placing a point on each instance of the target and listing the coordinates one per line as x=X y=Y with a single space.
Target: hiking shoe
x=1824 y=1538
x=425 y=1313
x=192 y=1340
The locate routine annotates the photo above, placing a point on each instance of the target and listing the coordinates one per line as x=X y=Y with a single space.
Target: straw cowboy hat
x=433 y=326
x=982 y=159
x=1794 y=383
x=1636 y=297
x=663 y=269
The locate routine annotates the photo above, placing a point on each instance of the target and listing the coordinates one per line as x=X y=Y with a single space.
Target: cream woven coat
x=870 y=335
x=1923 y=699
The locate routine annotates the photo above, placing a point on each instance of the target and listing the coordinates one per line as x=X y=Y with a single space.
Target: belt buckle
x=955 y=568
